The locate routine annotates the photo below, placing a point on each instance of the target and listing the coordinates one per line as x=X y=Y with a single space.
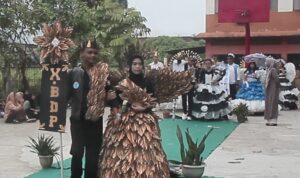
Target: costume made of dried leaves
x=134 y=94
x=97 y=95
x=132 y=145
x=169 y=85
x=115 y=77
x=55 y=42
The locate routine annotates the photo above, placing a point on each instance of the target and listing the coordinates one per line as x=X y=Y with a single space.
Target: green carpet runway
x=169 y=141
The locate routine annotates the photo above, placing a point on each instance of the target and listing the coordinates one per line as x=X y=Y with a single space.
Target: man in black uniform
x=86 y=134
x=187 y=99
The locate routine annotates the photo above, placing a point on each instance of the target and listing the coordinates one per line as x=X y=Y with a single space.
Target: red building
x=279 y=37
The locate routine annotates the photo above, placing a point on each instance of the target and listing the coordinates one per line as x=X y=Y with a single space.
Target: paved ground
x=252 y=151
x=16 y=160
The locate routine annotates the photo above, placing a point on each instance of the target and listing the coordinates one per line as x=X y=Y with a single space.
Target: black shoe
x=271 y=124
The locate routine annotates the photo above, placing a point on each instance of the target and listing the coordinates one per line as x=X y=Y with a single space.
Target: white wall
x=210 y=7
x=285 y=5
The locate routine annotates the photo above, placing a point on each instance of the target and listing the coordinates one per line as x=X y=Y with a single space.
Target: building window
x=296 y=4
x=216 y=6
x=274 y=5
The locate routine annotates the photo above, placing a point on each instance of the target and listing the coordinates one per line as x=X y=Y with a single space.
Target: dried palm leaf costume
x=132 y=144
x=181 y=55
x=98 y=75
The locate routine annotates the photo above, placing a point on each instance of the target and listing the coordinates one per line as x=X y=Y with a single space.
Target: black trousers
x=86 y=138
x=187 y=102
x=233 y=90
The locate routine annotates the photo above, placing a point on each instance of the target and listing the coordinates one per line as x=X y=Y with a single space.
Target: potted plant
x=241 y=112
x=45 y=148
x=192 y=161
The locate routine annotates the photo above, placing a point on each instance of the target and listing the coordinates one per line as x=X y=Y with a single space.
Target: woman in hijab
x=14 y=111
x=132 y=145
x=272 y=92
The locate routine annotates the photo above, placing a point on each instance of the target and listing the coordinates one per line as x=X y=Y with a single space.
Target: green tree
x=110 y=21
x=15 y=29
x=119 y=29
x=163 y=44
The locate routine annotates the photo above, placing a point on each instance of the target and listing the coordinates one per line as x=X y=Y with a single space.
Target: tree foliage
x=110 y=21
x=163 y=44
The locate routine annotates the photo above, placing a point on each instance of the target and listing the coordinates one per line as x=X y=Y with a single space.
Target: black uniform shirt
x=85 y=89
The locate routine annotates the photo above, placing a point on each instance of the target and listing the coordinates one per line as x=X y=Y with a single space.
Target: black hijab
x=138 y=79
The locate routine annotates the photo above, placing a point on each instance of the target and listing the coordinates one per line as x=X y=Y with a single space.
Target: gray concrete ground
x=251 y=151
x=254 y=150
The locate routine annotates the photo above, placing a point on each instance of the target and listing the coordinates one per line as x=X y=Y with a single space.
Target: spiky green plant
x=43 y=146
x=241 y=112
x=191 y=155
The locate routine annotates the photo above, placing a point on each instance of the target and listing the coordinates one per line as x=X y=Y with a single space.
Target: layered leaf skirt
x=132 y=148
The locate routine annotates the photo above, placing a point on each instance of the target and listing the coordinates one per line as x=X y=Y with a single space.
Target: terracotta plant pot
x=193 y=171
x=46 y=161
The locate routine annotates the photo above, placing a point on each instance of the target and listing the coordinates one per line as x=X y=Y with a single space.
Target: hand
x=138 y=107
x=115 y=111
x=111 y=95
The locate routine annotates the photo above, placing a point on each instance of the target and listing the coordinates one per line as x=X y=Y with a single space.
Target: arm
x=70 y=84
x=274 y=76
x=201 y=77
x=162 y=66
x=13 y=107
x=113 y=99
x=238 y=73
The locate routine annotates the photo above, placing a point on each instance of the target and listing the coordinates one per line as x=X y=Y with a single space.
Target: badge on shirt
x=75 y=85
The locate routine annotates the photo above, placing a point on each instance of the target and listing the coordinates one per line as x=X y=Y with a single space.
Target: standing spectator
x=232 y=75
x=220 y=64
x=156 y=64
x=187 y=99
x=272 y=92
x=178 y=65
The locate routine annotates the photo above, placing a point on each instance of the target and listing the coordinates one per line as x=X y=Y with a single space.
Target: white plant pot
x=46 y=161
x=193 y=171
